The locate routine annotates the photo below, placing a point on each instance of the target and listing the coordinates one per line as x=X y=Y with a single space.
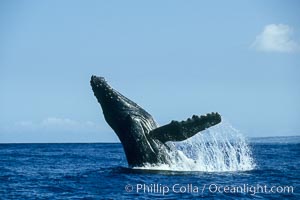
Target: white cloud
x=276 y=38
x=53 y=121
x=24 y=123
x=56 y=124
x=55 y=129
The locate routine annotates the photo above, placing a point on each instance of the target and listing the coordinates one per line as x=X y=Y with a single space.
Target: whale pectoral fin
x=179 y=131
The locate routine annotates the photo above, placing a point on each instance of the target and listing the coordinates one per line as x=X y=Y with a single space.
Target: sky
x=174 y=58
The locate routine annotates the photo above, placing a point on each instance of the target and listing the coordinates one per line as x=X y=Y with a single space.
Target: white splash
x=218 y=149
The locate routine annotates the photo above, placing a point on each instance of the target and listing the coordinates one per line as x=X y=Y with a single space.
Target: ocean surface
x=99 y=171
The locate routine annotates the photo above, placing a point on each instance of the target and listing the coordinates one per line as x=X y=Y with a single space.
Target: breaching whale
x=144 y=142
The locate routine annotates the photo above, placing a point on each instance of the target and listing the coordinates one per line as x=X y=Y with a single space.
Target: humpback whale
x=144 y=142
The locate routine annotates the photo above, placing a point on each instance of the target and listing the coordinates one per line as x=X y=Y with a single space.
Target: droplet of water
x=217 y=149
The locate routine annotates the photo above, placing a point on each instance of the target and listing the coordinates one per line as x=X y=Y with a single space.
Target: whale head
x=129 y=121
x=114 y=103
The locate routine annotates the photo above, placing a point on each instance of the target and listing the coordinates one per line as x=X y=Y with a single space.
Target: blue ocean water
x=99 y=171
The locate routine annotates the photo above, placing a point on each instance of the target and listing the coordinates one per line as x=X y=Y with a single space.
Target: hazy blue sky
x=174 y=58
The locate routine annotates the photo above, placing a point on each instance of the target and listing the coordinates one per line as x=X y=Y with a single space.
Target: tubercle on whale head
x=110 y=99
x=103 y=91
x=98 y=82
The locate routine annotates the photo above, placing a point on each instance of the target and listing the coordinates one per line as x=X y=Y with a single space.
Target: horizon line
x=120 y=142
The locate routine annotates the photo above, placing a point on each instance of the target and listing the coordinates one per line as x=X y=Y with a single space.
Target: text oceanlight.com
x=211 y=188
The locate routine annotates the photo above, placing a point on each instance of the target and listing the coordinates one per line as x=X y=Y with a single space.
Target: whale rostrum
x=144 y=142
